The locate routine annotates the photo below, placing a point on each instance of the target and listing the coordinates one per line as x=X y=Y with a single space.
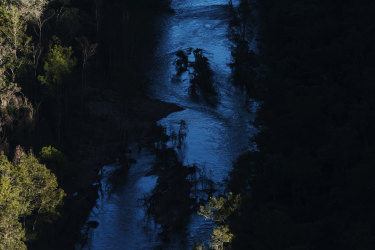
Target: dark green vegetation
x=219 y=211
x=71 y=76
x=311 y=184
x=29 y=195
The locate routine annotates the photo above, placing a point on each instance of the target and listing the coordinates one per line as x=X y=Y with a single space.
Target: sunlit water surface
x=215 y=137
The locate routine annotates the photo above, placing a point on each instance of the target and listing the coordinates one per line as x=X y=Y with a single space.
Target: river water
x=215 y=135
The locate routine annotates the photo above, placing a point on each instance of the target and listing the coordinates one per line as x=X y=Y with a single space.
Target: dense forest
x=72 y=90
x=309 y=185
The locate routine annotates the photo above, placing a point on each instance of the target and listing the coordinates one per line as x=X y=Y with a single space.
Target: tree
x=52 y=157
x=88 y=50
x=13 y=49
x=218 y=210
x=40 y=187
x=13 y=32
x=20 y=12
x=219 y=236
x=55 y=160
x=29 y=192
x=12 y=233
x=58 y=66
x=37 y=15
x=29 y=10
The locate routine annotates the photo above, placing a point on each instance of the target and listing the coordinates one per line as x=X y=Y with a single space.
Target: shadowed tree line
x=310 y=184
x=247 y=69
x=56 y=58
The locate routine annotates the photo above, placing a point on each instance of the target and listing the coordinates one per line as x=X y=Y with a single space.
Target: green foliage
x=14 y=51
x=11 y=208
x=14 y=41
x=40 y=187
x=58 y=66
x=28 y=191
x=56 y=161
x=219 y=236
x=52 y=157
x=219 y=210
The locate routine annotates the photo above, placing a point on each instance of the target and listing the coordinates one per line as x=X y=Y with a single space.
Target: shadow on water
x=178 y=191
x=247 y=71
x=160 y=192
x=170 y=203
x=156 y=200
x=200 y=75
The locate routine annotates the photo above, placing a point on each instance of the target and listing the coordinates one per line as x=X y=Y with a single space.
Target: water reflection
x=215 y=136
x=122 y=219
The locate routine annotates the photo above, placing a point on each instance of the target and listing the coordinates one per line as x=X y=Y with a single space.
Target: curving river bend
x=215 y=136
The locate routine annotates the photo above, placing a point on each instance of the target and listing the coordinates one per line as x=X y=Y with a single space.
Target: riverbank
x=113 y=124
x=75 y=86
x=310 y=185
x=213 y=137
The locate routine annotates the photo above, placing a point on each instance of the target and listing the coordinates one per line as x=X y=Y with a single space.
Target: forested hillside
x=70 y=78
x=72 y=99
x=310 y=185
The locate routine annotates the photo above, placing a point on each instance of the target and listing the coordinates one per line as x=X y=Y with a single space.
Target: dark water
x=215 y=137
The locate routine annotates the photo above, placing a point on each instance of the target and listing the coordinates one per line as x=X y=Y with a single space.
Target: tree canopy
x=59 y=64
x=28 y=192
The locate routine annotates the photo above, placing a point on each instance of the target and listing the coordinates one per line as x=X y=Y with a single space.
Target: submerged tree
x=182 y=62
x=201 y=75
x=202 y=78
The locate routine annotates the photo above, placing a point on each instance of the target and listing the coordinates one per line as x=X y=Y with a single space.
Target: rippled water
x=215 y=137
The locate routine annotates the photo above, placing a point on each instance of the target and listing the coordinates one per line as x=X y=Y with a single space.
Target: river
x=215 y=135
